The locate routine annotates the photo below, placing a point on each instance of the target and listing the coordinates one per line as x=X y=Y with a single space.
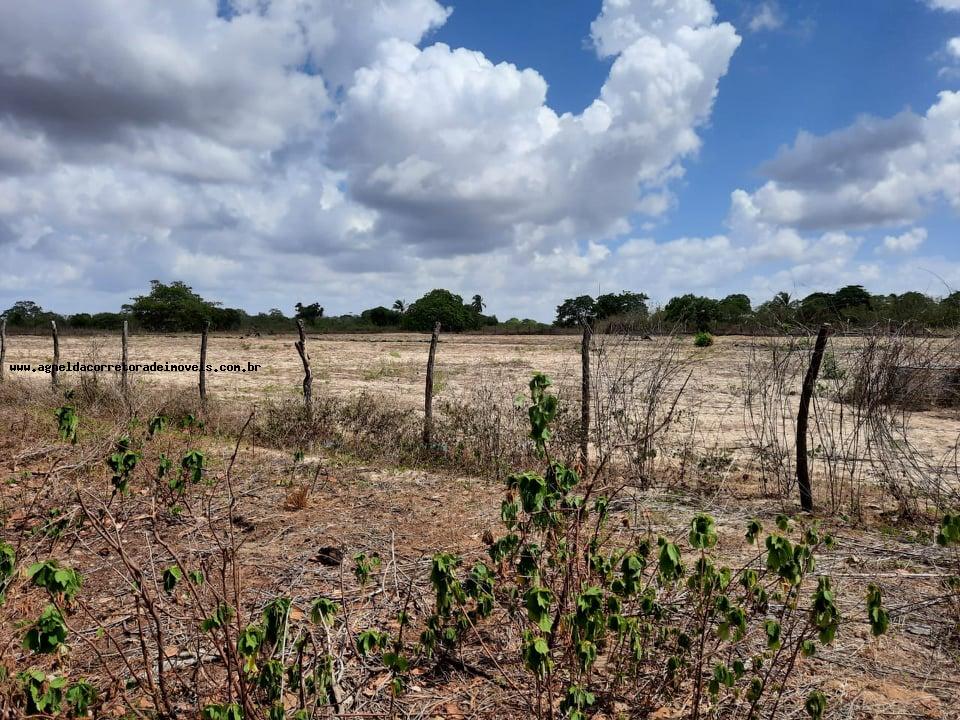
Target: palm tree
x=477 y=304
x=783 y=298
x=400 y=306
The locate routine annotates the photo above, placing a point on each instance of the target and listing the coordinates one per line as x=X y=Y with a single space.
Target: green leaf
x=323 y=610
x=171 y=576
x=703 y=532
x=877 y=616
x=816 y=705
x=538 y=601
x=772 y=628
x=47 y=633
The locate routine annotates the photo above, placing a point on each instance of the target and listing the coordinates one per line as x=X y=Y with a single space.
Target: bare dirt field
x=393 y=366
x=284 y=510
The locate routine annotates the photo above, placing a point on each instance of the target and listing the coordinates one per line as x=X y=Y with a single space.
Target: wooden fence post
x=203 y=362
x=301 y=346
x=55 y=371
x=124 y=386
x=809 y=384
x=585 y=397
x=3 y=348
x=428 y=391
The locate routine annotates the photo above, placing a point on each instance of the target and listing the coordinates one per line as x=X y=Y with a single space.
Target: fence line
x=428 y=388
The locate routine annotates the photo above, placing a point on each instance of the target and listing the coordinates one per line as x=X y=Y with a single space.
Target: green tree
x=692 y=310
x=816 y=308
x=97 y=321
x=574 y=311
x=624 y=303
x=784 y=300
x=26 y=313
x=400 y=306
x=381 y=316
x=851 y=296
x=176 y=308
x=308 y=313
x=734 y=308
x=443 y=306
x=912 y=307
x=477 y=304
x=949 y=315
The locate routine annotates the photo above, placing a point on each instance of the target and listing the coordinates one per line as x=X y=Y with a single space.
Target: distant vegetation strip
x=175 y=307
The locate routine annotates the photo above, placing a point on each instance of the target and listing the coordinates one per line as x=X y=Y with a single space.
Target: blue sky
x=270 y=152
x=828 y=63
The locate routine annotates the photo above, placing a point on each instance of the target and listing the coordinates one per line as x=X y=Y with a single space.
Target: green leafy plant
x=43 y=693
x=192 y=466
x=249 y=643
x=48 y=632
x=80 y=698
x=576 y=703
x=164 y=466
x=948 y=536
x=219 y=619
x=157 y=424
x=67 y=423
x=542 y=411
x=703 y=339
x=62 y=583
x=171 y=576
x=222 y=712
x=371 y=640
x=667 y=623
x=949 y=531
x=190 y=421
x=877 y=616
x=122 y=463
x=364 y=566
x=323 y=610
x=275 y=617
x=816 y=705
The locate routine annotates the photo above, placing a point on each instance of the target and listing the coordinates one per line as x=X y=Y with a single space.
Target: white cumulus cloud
x=953 y=47
x=873 y=173
x=767 y=16
x=287 y=145
x=906 y=242
x=944 y=4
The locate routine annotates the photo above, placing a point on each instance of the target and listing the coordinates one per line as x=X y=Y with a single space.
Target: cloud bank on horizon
x=267 y=151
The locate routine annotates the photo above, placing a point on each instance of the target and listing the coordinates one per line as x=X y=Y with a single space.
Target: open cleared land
x=392 y=366
x=282 y=499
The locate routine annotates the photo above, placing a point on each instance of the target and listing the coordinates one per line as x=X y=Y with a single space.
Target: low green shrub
x=703 y=339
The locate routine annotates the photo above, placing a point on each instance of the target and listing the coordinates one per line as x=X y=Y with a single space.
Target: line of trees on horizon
x=852 y=305
x=175 y=307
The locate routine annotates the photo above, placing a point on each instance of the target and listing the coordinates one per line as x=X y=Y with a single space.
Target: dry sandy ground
x=393 y=366
x=405 y=515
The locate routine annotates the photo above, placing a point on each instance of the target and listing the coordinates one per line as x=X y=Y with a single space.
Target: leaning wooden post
x=428 y=392
x=124 y=386
x=203 y=362
x=3 y=348
x=585 y=397
x=809 y=384
x=55 y=370
x=301 y=346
